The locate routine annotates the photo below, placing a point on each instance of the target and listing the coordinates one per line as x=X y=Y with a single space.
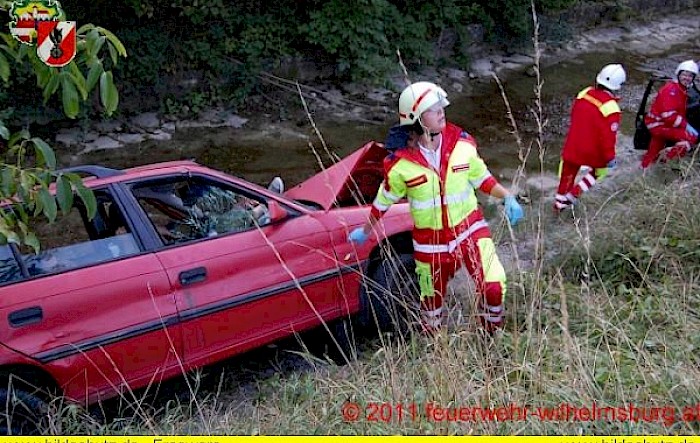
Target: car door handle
x=25 y=317
x=192 y=276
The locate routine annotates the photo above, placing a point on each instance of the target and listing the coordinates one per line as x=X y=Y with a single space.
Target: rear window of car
x=9 y=268
x=72 y=241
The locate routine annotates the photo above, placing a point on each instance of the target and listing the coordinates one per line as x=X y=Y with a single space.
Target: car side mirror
x=276 y=211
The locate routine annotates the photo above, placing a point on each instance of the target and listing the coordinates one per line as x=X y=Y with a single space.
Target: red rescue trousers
x=567 y=193
x=478 y=254
x=659 y=136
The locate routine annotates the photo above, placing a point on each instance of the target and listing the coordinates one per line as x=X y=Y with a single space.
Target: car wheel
x=21 y=413
x=390 y=296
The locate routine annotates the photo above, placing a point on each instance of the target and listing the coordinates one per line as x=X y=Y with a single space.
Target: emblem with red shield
x=56 y=43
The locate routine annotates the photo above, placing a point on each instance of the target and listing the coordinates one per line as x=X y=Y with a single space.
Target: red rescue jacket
x=595 y=119
x=669 y=107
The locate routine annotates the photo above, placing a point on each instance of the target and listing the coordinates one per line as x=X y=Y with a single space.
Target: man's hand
x=358 y=236
x=612 y=164
x=514 y=212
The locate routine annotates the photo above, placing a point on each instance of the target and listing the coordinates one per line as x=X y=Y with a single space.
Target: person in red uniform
x=595 y=120
x=666 y=118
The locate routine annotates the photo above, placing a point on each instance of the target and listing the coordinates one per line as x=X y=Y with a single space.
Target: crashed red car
x=184 y=266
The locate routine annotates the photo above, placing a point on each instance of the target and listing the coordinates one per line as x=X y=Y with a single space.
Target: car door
x=241 y=277
x=92 y=306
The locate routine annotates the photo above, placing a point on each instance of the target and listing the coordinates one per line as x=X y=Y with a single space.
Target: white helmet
x=612 y=77
x=689 y=66
x=417 y=98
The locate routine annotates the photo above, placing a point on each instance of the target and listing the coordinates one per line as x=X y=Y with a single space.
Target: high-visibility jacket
x=443 y=203
x=668 y=108
x=595 y=120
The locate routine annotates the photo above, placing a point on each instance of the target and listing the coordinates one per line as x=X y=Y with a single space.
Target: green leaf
x=78 y=79
x=108 y=93
x=114 y=41
x=8 y=233
x=4 y=132
x=64 y=194
x=71 y=101
x=87 y=197
x=45 y=152
x=94 y=75
x=32 y=240
x=8 y=179
x=17 y=136
x=113 y=54
x=98 y=45
x=85 y=27
x=51 y=88
x=49 y=204
x=4 y=68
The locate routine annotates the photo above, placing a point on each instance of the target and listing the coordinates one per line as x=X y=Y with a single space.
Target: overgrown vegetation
x=212 y=52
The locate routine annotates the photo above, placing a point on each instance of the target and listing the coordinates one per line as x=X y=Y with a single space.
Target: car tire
x=343 y=348
x=390 y=296
x=22 y=413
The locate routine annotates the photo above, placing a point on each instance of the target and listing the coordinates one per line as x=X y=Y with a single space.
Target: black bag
x=642 y=136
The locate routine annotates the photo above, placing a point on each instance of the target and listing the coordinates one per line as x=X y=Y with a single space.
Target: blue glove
x=692 y=131
x=514 y=212
x=612 y=164
x=358 y=236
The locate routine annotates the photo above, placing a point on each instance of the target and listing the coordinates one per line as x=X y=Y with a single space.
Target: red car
x=184 y=266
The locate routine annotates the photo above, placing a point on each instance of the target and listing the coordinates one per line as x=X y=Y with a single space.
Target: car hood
x=352 y=181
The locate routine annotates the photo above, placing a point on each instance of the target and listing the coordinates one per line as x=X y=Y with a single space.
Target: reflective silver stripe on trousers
x=452 y=245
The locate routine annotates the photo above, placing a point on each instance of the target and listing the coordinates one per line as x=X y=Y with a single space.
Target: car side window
x=187 y=209
x=74 y=241
x=9 y=268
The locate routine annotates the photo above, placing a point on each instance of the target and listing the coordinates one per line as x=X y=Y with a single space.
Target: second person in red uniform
x=666 y=118
x=595 y=120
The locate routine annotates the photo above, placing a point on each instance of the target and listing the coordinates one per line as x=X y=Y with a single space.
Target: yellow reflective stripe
x=607 y=108
x=584 y=92
x=452 y=245
x=610 y=107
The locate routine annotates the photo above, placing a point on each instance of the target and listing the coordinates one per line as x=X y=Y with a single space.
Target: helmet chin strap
x=433 y=135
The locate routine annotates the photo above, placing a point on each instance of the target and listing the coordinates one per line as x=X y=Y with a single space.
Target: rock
x=108 y=126
x=380 y=95
x=545 y=183
x=159 y=135
x=456 y=74
x=520 y=59
x=235 y=121
x=90 y=136
x=457 y=87
x=168 y=127
x=148 y=120
x=130 y=138
x=482 y=67
x=69 y=137
x=101 y=143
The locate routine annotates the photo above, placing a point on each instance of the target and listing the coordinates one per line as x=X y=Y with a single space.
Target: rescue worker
x=595 y=120
x=436 y=166
x=666 y=117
